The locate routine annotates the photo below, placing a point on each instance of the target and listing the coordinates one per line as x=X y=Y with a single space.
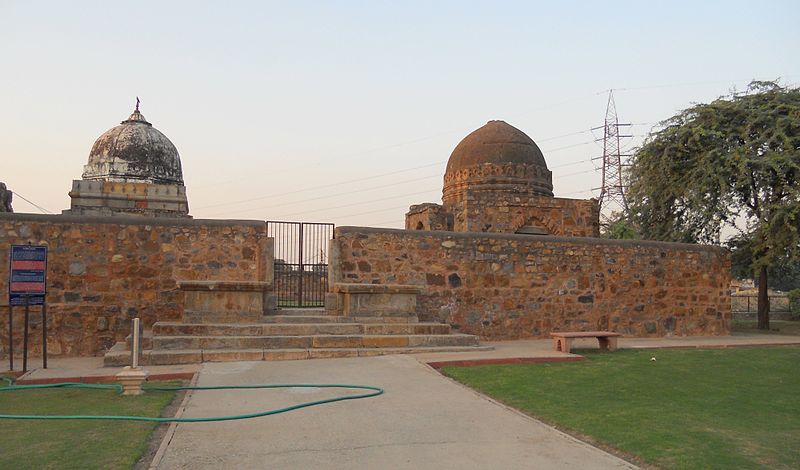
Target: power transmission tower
x=612 y=192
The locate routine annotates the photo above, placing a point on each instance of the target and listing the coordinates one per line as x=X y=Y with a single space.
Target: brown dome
x=496 y=142
x=498 y=156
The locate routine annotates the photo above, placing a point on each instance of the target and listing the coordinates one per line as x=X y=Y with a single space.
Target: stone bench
x=227 y=301
x=390 y=300
x=562 y=341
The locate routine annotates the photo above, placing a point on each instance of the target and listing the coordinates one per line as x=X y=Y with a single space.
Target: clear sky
x=347 y=112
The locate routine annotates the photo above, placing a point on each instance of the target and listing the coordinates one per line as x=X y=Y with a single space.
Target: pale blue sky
x=348 y=111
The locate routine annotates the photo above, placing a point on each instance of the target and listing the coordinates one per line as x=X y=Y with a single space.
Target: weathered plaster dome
x=136 y=152
x=498 y=157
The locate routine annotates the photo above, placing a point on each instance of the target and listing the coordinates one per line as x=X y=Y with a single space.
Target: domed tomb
x=133 y=170
x=497 y=181
x=134 y=151
x=497 y=157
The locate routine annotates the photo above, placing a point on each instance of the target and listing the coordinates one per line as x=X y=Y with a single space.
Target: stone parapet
x=225 y=286
x=376 y=289
x=512 y=213
x=212 y=301
x=384 y=300
x=428 y=216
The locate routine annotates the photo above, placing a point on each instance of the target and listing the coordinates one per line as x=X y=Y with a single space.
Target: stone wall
x=501 y=213
x=428 y=216
x=503 y=286
x=508 y=213
x=104 y=271
x=115 y=198
x=6 y=197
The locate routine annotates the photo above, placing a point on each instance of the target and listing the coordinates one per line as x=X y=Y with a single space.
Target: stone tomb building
x=497 y=181
x=500 y=257
x=133 y=170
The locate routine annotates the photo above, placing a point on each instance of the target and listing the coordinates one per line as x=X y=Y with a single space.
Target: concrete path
x=423 y=421
x=87 y=369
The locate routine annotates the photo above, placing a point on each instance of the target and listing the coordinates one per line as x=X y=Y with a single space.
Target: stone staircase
x=289 y=334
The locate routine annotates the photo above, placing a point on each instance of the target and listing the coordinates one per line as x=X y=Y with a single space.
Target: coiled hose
x=375 y=391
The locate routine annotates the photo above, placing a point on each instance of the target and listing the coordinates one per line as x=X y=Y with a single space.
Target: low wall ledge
x=227 y=286
x=127 y=220
x=444 y=235
x=348 y=288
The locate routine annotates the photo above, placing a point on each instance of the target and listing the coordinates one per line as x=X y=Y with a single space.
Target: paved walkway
x=423 y=421
x=87 y=369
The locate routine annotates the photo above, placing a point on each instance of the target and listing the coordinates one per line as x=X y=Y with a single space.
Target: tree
x=783 y=274
x=732 y=163
x=619 y=227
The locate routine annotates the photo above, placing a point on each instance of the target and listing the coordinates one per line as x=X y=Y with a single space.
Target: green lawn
x=715 y=408
x=76 y=443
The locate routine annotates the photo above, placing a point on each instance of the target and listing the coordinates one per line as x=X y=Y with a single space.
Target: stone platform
x=237 y=321
x=293 y=334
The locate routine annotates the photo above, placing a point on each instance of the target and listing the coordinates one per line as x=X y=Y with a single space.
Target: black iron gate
x=301 y=262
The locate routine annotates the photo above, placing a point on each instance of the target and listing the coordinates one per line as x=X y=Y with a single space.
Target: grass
x=76 y=443
x=715 y=408
x=779 y=327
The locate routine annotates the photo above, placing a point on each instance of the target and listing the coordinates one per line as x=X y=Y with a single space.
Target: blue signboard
x=28 y=275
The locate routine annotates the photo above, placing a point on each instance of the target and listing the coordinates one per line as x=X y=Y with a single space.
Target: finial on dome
x=136 y=116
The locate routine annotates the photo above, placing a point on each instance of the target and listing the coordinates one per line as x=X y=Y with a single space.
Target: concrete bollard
x=131 y=377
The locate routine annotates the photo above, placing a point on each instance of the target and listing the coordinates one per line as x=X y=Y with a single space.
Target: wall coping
x=445 y=235
x=127 y=220
x=224 y=286
x=355 y=288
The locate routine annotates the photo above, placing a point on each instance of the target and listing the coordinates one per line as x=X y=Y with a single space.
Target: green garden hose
x=374 y=392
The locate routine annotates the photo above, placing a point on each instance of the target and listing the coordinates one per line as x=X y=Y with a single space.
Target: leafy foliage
x=783 y=272
x=619 y=227
x=732 y=163
x=738 y=156
x=794 y=301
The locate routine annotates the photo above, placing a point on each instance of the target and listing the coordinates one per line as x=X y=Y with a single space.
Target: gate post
x=302 y=268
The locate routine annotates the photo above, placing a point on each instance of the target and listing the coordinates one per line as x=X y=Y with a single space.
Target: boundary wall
x=504 y=286
x=104 y=271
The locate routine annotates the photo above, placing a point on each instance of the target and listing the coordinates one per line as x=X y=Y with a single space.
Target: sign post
x=25 y=336
x=44 y=336
x=27 y=283
x=10 y=338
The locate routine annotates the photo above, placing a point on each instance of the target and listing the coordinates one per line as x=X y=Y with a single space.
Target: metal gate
x=301 y=262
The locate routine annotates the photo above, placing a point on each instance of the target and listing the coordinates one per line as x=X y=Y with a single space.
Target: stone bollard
x=131 y=379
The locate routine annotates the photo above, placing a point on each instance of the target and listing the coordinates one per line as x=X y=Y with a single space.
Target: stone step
x=311 y=341
x=193 y=316
x=301 y=311
x=193 y=356
x=299 y=329
x=146 y=340
x=335 y=319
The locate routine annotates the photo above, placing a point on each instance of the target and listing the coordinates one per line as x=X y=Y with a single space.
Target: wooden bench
x=562 y=341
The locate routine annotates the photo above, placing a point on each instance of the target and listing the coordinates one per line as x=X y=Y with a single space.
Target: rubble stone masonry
x=487 y=212
x=509 y=214
x=104 y=271
x=504 y=286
